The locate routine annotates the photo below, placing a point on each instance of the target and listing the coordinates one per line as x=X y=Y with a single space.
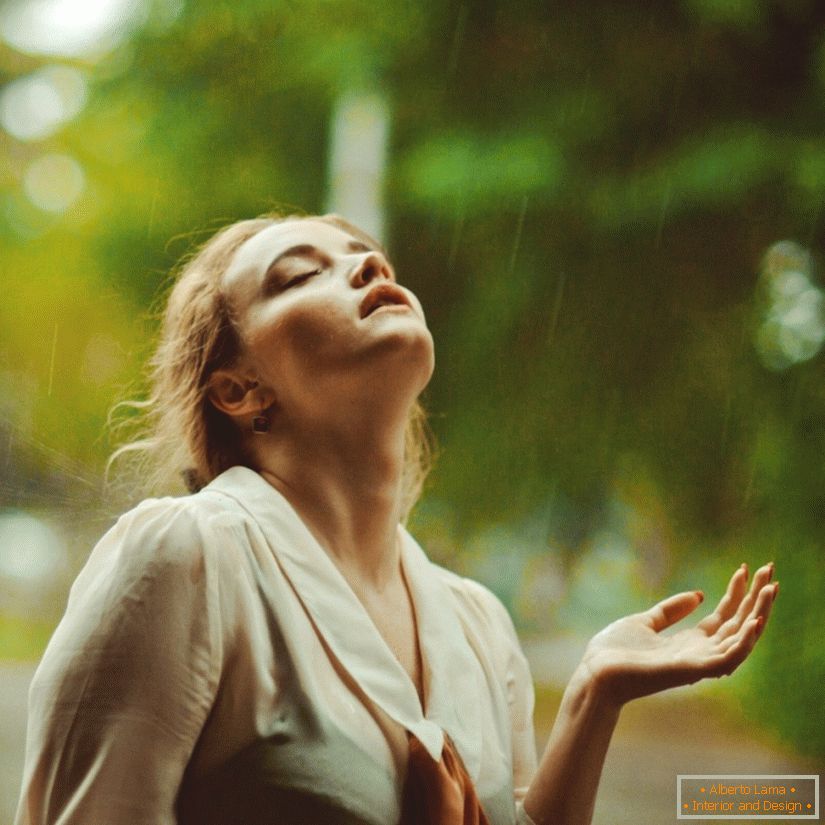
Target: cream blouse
x=214 y=667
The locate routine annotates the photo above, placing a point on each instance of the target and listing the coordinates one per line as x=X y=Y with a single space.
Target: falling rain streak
x=557 y=301
x=150 y=225
x=458 y=37
x=660 y=225
x=455 y=241
x=511 y=268
x=51 y=362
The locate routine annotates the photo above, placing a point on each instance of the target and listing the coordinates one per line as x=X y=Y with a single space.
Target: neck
x=346 y=485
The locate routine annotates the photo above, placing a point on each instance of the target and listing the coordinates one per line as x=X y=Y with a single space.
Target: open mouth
x=384 y=295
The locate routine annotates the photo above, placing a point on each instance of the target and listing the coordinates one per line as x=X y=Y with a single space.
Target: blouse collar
x=339 y=616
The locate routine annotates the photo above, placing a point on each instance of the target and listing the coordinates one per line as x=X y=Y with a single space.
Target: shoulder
x=164 y=538
x=478 y=604
x=176 y=527
x=161 y=584
x=490 y=629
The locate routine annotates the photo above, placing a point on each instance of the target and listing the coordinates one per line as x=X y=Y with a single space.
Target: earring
x=260 y=424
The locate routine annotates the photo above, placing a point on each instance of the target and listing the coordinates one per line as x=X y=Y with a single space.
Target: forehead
x=257 y=253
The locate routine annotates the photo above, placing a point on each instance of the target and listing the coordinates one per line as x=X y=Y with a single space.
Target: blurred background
x=613 y=216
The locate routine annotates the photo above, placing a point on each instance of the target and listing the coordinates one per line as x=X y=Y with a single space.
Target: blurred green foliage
x=580 y=193
x=22 y=639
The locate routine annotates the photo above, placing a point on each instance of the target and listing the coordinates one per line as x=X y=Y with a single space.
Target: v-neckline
x=449 y=669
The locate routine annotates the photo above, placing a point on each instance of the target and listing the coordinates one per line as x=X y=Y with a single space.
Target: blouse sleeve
x=129 y=676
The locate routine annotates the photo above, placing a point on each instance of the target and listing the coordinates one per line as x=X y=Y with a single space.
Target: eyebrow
x=309 y=249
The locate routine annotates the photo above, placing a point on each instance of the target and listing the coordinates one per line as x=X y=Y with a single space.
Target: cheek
x=305 y=335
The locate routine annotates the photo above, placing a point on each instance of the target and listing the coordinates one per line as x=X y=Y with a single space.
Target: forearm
x=563 y=791
x=631 y=658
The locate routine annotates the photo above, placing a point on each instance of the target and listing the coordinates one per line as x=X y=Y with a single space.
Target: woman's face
x=322 y=320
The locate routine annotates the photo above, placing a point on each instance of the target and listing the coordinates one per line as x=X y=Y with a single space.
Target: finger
x=760 y=581
x=728 y=603
x=746 y=606
x=738 y=649
x=761 y=611
x=671 y=610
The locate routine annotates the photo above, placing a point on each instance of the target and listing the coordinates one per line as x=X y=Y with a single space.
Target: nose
x=373 y=265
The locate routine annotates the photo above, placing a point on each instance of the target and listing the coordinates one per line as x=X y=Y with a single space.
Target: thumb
x=672 y=609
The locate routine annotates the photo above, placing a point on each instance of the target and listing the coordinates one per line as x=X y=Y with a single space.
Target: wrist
x=564 y=787
x=592 y=685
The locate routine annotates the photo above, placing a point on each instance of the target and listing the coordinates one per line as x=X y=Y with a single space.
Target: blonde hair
x=180 y=434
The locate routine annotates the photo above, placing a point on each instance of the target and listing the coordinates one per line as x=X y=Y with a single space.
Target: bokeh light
x=71 y=28
x=793 y=327
x=32 y=554
x=358 y=155
x=35 y=106
x=53 y=182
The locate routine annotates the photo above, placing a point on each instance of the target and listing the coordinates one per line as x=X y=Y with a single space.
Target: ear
x=236 y=394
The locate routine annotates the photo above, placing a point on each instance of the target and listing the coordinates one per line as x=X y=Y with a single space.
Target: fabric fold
x=439 y=792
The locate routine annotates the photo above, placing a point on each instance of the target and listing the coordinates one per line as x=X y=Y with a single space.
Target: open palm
x=632 y=657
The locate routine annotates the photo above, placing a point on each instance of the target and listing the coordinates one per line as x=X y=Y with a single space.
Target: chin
x=406 y=360
x=420 y=353
x=430 y=364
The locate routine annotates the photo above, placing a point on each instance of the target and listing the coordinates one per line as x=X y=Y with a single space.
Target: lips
x=383 y=295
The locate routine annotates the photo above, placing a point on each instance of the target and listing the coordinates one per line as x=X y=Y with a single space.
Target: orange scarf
x=439 y=793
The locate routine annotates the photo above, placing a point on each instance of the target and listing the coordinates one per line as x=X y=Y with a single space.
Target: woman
x=275 y=648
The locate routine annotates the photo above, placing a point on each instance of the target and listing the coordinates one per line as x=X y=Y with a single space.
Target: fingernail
x=701 y=595
x=775 y=590
x=744 y=566
x=770 y=571
x=760 y=623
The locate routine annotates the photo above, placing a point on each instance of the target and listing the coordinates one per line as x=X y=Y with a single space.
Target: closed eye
x=304 y=276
